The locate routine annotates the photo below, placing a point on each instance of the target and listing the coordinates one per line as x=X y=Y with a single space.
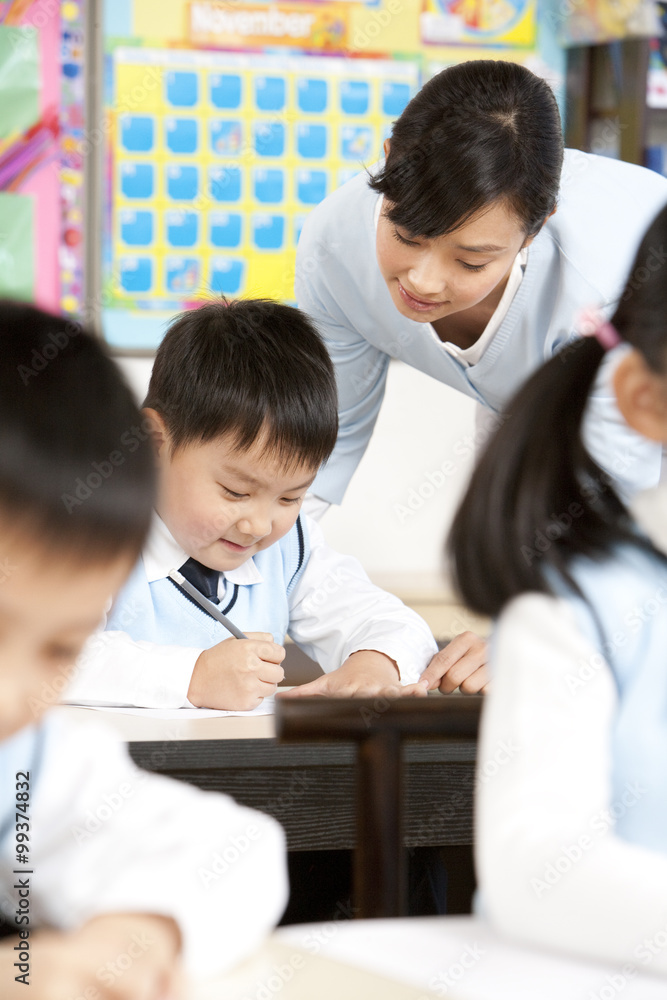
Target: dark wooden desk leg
x=379 y=859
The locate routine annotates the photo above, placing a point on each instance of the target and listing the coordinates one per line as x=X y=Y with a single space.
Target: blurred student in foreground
x=111 y=878
x=572 y=827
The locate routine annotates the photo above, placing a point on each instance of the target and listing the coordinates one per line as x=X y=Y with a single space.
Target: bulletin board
x=41 y=165
x=228 y=123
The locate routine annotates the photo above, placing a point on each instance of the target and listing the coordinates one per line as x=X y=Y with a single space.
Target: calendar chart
x=217 y=158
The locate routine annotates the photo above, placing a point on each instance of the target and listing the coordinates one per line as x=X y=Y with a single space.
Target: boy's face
x=431 y=279
x=222 y=506
x=48 y=608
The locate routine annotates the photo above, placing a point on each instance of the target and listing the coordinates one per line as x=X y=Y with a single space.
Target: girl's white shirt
x=551 y=869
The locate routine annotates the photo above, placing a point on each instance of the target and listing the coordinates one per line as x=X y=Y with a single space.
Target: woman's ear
x=529 y=239
x=157 y=429
x=386 y=146
x=642 y=396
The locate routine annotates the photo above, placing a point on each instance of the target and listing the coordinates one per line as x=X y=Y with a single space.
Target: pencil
x=207 y=605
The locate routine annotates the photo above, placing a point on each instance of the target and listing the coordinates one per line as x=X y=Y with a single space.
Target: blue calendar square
x=224 y=183
x=137 y=133
x=136 y=228
x=312 y=141
x=311 y=186
x=182 y=182
x=269 y=186
x=394 y=98
x=182 y=89
x=136 y=274
x=181 y=274
x=270 y=93
x=269 y=138
x=225 y=229
x=312 y=96
x=181 y=228
x=355 y=97
x=226 y=275
x=268 y=231
x=225 y=90
x=226 y=137
x=356 y=143
x=181 y=135
x=137 y=180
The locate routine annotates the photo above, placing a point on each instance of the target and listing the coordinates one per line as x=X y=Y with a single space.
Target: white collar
x=162 y=553
x=649 y=509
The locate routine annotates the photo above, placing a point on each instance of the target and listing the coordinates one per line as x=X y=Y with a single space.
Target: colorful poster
x=317 y=27
x=220 y=159
x=478 y=22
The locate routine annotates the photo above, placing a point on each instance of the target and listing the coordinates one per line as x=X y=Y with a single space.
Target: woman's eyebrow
x=483 y=248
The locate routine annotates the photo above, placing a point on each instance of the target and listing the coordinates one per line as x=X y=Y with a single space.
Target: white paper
x=266 y=707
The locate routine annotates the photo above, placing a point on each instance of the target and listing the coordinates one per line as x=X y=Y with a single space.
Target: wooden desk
x=308 y=788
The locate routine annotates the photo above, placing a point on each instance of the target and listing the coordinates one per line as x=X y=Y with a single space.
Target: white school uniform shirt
x=546 y=766
x=115 y=669
x=108 y=837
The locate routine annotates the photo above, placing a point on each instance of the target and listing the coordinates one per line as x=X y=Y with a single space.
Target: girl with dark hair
x=572 y=827
x=467 y=256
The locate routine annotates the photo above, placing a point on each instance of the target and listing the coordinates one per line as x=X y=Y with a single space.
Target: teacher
x=468 y=253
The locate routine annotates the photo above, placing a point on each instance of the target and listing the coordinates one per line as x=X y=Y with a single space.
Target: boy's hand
x=112 y=957
x=237 y=674
x=365 y=674
x=462 y=663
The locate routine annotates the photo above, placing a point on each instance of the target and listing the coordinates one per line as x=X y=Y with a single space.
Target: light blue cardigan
x=580 y=258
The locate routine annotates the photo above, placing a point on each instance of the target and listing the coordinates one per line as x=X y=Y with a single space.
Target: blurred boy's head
x=243 y=403
x=75 y=502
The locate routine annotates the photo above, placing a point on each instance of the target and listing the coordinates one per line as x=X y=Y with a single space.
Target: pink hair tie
x=593 y=324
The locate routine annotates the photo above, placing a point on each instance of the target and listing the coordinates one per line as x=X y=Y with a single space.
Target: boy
x=117 y=902
x=241 y=408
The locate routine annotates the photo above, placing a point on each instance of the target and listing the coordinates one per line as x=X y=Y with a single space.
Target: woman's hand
x=461 y=664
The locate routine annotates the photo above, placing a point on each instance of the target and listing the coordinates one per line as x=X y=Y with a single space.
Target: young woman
x=572 y=827
x=467 y=254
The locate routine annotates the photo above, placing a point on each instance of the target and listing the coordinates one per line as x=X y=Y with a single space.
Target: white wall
x=400 y=502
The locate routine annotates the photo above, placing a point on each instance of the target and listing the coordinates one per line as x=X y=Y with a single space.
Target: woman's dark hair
x=76 y=468
x=476 y=133
x=243 y=367
x=537 y=500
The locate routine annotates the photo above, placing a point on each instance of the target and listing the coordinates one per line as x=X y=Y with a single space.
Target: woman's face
x=434 y=278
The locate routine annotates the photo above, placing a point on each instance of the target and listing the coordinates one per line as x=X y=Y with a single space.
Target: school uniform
x=299 y=587
x=572 y=767
x=580 y=258
x=106 y=837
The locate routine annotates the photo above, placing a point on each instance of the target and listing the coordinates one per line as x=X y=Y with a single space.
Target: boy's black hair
x=537 y=499
x=478 y=132
x=76 y=468
x=243 y=367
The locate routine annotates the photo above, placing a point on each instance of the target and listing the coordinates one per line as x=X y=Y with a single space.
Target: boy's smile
x=222 y=505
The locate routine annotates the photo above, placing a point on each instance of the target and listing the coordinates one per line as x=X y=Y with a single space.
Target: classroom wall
x=400 y=502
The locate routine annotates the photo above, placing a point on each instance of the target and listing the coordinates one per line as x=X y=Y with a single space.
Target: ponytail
x=536 y=498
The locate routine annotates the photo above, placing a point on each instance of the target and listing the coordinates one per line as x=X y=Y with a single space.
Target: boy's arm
x=344 y=621
x=114 y=669
x=111 y=839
